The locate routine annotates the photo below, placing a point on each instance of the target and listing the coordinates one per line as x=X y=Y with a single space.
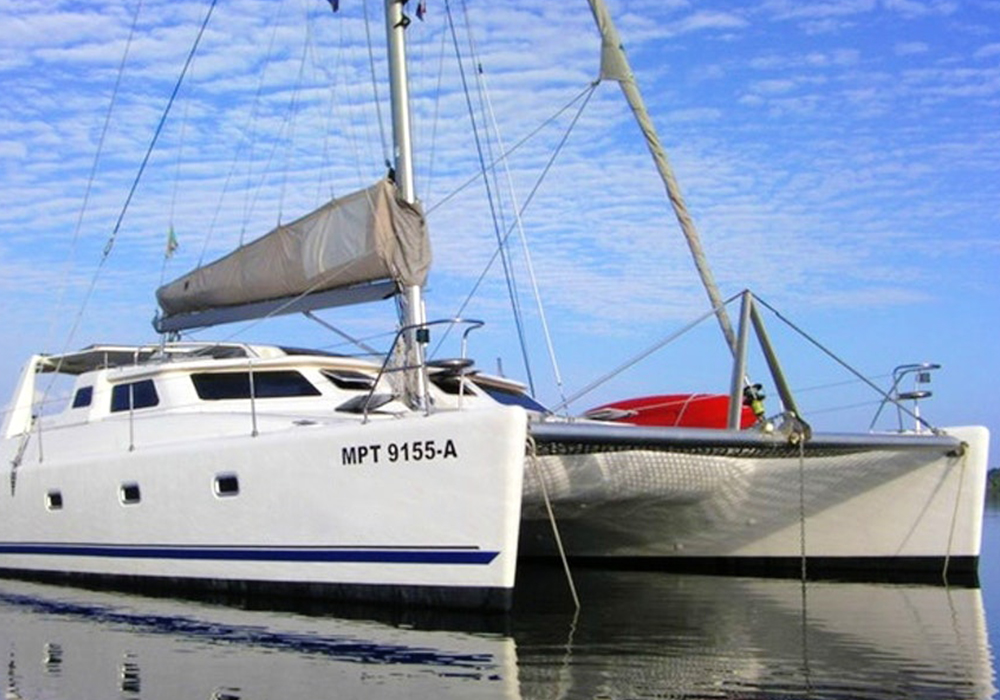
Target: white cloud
x=987 y=51
x=910 y=48
x=706 y=20
x=920 y=8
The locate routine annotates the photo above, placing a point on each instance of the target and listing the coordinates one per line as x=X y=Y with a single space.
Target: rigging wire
x=435 y=119
x=586 y=92
x=171 y=240
x=156 y=135
x=292 y=119
x=79 y=225
x=325 y=168
x=378 y=103
x=250 y=200
x=518 y=321
x=109 y=245
x=885 y=395
x=519 y=224
x=337 y=109
x=93 y=171
x=309 y=51
x=635 y=359
x=218 y=206
x=500 y=222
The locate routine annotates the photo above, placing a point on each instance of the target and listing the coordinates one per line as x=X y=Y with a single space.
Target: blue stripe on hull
x=373 y=555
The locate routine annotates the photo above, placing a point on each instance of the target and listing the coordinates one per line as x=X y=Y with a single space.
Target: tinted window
x=142 y=395
x=513 y=398
x=450 y=384
x=227 y=485
x=236 y=385
x=84 y=395
x=129 y=493
x=350 y=379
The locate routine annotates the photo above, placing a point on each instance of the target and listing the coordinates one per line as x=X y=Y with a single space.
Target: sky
x=840 y=159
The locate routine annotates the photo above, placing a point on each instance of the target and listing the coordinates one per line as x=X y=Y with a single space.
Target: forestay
x=360 y=247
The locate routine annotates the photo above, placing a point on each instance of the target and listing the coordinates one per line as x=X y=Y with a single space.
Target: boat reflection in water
x=646 y=634
x=67 y=643
x=640 y=635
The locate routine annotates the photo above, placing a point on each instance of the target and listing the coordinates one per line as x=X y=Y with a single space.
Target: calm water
x=639 y=635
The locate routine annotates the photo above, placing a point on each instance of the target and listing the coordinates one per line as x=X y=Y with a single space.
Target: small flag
x=334 y=4
x=421 y=9
x=172 y=243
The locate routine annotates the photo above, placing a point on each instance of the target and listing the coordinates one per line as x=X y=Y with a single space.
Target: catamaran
x=254 y=467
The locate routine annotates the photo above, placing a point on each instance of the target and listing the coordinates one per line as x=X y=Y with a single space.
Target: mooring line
x=533 y=456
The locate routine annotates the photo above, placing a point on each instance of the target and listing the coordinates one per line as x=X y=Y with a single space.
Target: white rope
x=954 y=513
x=533 y=457
x=802 y=506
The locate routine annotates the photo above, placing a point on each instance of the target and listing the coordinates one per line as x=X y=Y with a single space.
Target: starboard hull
x=877 y=512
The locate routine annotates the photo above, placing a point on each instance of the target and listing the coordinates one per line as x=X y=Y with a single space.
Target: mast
x=396 y=23
x=615 y=65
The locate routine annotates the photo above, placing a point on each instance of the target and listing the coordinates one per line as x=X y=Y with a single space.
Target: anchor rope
x=802 y=507
x=533 y=457
x=954 y=514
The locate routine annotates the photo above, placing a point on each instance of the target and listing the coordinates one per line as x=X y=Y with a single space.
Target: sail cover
x=365 y=237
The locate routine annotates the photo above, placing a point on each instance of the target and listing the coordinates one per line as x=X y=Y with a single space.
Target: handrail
x=473 y=324
x=894 y=396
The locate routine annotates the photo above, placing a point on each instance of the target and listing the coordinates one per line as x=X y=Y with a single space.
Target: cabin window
x=267 y=384
x=84 y=395
x=53 y=500
x=138 y=394
x=452 y=384
x=129 y=493
x=512 y=398
x=350 y=380
x=227 y=485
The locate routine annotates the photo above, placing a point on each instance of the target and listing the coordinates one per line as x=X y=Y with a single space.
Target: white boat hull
x=867 y=511
x=424 y=508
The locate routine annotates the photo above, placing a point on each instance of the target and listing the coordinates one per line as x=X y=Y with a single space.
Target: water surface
x=639 y=635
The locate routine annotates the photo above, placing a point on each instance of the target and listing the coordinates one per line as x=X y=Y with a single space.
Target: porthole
x=227 y=485
x=54 y=500
x=129 y=493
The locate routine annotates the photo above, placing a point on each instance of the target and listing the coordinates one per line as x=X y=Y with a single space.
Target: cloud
x=987 y=51
x=910 y=48
x=708 y=21
x=919 y=8
x=788 y=9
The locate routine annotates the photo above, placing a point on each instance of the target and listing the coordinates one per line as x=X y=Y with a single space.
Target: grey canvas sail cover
x=365 y=237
